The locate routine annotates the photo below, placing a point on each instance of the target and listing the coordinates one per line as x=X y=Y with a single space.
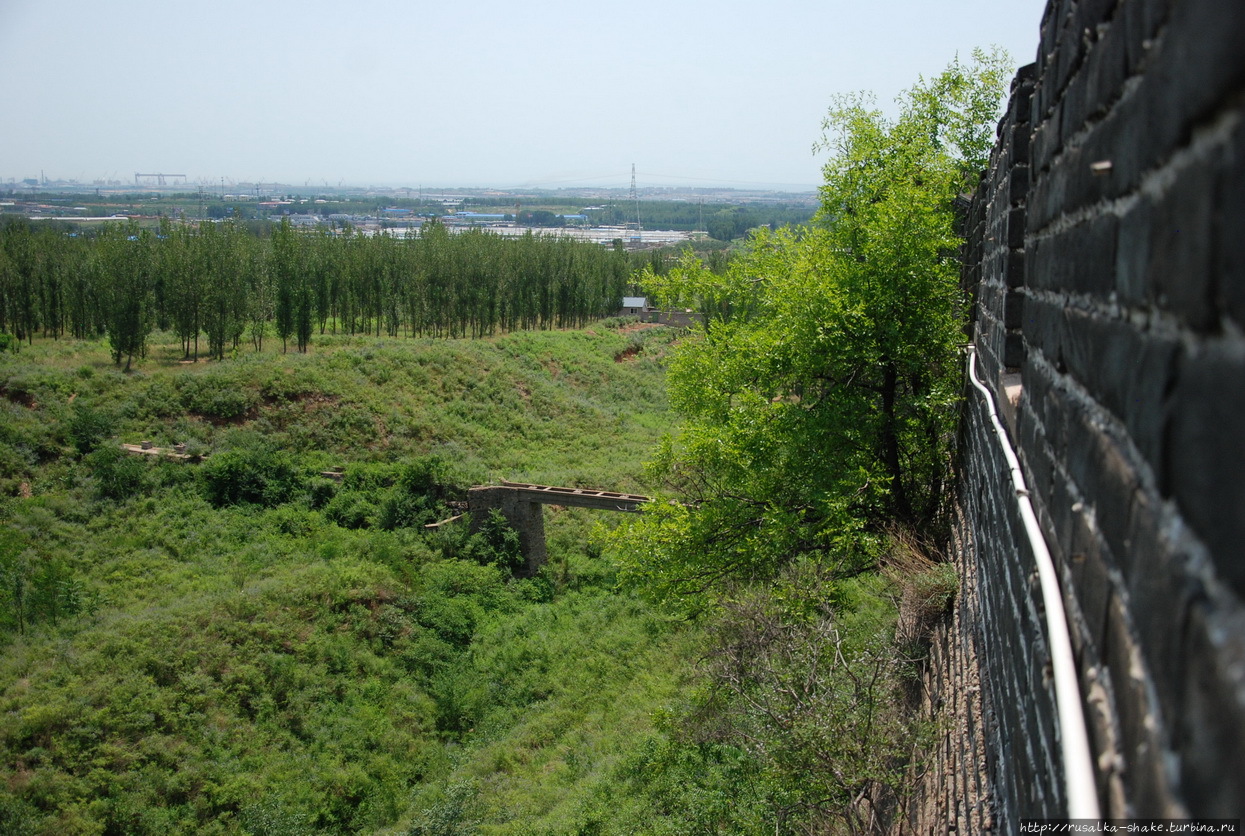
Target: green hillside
x=242 y=645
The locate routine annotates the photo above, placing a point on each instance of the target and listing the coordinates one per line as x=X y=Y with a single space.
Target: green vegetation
x=818 y=408
x=228 y=285
x=244 y=645
x=263 y=637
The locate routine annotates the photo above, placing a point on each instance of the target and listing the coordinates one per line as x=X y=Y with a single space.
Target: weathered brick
x=1013 y=309
x=1094 y=588
x=1229 y=219
x=1044 y=143
x=1201 y=61
x=1133 y=254
x=1100 y=466
x=1059 y=535
x=1018 y=189
x=1014 y=272
x=1140 y=22
x=1128 y=371
x=1107 y=70
x=1180 y=259
x=1081 y=259
x=1205 y=453
x=1211 y=727
x=1016 y=228
x=1158 y=584
x=1142 y=762
x=1089 y=13
x=1021 y=101
x=1075 y=107
x=1067 y=55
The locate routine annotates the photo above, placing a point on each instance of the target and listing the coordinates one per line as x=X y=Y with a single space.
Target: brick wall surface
x=1106 y=258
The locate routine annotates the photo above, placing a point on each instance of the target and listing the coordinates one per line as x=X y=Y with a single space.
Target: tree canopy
x=818 y=401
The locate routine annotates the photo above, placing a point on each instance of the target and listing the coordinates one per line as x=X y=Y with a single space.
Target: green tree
x=818 y=401
x=124 y=271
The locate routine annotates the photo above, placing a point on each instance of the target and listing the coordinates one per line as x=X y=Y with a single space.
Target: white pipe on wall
x=1077 y=765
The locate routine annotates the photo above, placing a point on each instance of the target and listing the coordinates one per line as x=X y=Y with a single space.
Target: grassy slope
x=267 y=670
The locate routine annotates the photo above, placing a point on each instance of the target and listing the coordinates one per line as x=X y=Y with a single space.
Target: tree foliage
x=818 y=401
x=220 y=281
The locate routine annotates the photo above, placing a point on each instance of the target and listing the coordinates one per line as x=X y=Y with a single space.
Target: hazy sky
x=463 y=92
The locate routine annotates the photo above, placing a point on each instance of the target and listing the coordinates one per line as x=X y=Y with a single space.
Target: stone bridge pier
x=521 y=503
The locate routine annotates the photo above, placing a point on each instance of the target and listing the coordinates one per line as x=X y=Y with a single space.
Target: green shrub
x=87 y=427
x=257 y=477
x=118 y=475
x=351 y=509
x=160 y=400
x=216 y=396
x=320 y=492
x=34 y=588
x=496 y=544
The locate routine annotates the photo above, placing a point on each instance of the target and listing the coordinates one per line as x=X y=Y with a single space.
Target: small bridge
x=520 y=503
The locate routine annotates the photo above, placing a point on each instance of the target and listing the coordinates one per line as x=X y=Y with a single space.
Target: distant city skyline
x=486 y=94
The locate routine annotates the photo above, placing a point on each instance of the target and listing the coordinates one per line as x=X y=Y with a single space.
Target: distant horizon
x=61 y=184
x=663 y=182
x=490 y=94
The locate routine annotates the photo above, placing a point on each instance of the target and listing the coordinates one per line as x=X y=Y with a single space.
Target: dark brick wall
x=1107 y=263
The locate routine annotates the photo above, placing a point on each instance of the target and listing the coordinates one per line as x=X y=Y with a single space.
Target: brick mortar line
x=1126 y=91
x=1213 y=134
x=1142 y=318
x=1174 y=534
x=1099 y=416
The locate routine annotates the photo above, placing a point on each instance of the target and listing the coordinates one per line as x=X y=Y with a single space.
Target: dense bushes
x=245 y=645
x=257 y=476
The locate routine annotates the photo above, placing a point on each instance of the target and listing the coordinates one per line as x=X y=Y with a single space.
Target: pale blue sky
x=476 y=92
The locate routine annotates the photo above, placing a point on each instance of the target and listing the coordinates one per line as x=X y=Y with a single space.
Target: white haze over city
x=484 y=93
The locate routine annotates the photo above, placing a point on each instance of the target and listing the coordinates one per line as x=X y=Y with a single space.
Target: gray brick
x=1142 y=777
x=1014 y=350
x=1082 y=259
x=1016 y=228
x=1133 y=254
x=1044 y=144
x=1094 y=586
x=1067 y=56
x=1211 y=727
x=1140 y=22
x=1076 y=107
x=1201 y=61
x=1179 y=265
x=1014 y=273
x=1127 y=371
x=1018 y=189
x=1230 y=230
x=1089 y=13
x=1013 y=309
x=1107 y=70
x=1161 y=591
x=1205 y=454
x=1100 y=467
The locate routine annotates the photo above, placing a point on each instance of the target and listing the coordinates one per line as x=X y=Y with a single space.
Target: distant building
x=473 y=218
x=633 y=306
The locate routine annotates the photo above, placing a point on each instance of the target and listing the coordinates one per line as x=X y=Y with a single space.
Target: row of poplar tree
x=226 y=284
